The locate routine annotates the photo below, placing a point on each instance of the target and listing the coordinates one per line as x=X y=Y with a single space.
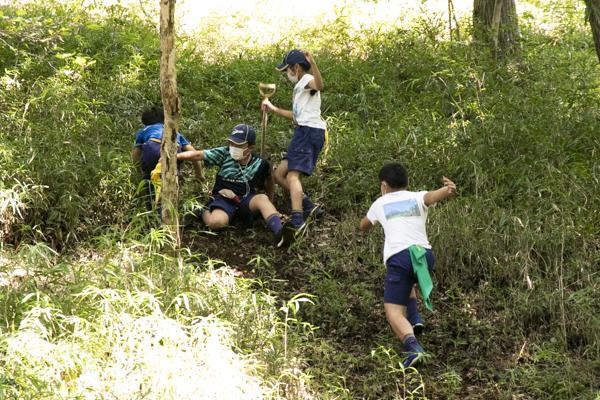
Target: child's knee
x=293 y=176
x=216 y=221
x=262 y=200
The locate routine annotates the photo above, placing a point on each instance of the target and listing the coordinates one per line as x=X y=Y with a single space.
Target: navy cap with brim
x=242 y=134
x=292 y=57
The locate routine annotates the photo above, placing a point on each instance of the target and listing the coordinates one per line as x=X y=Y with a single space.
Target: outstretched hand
x=200 y=178
x=450 y=185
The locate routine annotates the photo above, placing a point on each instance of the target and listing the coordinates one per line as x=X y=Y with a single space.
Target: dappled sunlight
x=94 y=306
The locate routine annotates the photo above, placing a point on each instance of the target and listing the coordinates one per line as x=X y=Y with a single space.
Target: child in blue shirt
x=403 y=215
x=309 y=134
x=146 y=151
x=234 y=195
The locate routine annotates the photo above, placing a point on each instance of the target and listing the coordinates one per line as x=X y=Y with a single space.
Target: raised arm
x=440 y=194
x=317 y=83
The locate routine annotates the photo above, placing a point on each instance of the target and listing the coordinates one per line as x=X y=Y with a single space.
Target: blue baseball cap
x=292 y=57
x=242 y=134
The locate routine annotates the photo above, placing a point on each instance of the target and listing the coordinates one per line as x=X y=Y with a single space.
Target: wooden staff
x=266 y=86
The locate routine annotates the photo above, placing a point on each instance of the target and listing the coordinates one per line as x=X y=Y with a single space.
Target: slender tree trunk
x=172 y=107
x=592 y=14
x=496 y=22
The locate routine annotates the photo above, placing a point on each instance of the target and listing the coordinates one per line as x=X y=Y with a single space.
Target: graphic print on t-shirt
x=404 y=208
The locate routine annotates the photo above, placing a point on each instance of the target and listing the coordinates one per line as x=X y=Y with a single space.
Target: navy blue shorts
x=239 y=211
x=401 y=278
x=151 y=155
x=304 y=149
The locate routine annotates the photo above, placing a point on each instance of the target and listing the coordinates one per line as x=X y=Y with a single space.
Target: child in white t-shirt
x=309 y=134
x=403 y=215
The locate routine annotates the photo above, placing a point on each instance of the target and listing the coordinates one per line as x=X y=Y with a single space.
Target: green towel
x=419 y=262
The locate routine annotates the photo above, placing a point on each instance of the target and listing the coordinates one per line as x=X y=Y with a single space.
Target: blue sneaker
x=313 y=214
x=301 y=231
x=193 y=217
x=417 y=324
x=414 y=357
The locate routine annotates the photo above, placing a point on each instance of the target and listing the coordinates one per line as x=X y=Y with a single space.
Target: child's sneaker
x=414 y=357
x=301 y=231
x=313 y=214
x=417 y=324
x=285 y=237
x=192 y=217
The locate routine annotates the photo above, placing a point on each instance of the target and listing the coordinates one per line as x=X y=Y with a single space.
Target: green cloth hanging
x=421 y=270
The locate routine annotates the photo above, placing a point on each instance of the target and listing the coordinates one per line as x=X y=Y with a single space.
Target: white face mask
x=293 y=78
x=382 y=185
x=236 y=153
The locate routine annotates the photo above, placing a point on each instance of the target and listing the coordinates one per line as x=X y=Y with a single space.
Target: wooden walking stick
x=266 y=86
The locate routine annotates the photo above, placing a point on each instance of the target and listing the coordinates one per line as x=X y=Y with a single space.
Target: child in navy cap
x=234 y=195
x=309 y=134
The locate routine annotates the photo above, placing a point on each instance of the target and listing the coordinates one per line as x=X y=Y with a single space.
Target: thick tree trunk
x=496 y=21
x=592 y=14
x=172 y=107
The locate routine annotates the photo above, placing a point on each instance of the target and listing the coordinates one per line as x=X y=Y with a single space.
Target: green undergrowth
x=118 y=322
x=517 y=271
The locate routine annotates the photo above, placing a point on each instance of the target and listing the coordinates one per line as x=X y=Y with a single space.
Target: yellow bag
x=155 y=177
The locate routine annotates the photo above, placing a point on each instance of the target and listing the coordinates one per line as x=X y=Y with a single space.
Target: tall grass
x=114 y=324
x=518 y=251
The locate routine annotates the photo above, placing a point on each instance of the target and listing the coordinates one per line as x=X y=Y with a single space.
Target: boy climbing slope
x=309 y=134
x=406 y=253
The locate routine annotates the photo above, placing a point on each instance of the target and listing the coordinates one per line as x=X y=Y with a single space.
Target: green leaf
x=94 y=26
x=20 y=13
x=64 y=55
x=80 y=61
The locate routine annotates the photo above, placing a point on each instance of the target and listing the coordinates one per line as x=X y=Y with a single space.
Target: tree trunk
x=172 y=107
x=592 y=14
x=495 y=21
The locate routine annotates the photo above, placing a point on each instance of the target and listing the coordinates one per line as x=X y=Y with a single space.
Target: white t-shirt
x=307 y=108
x=403 y=215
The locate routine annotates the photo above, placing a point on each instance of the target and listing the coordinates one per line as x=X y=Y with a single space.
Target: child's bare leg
x=413 y=293
x=216 y=219
x=281 y=174
x=293 y=181
x=261 y=203
x=396 y=316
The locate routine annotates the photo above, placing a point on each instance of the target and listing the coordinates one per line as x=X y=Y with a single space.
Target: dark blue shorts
x=239 y=211
x=304 y=149
x=401 y=278
x=151 y=155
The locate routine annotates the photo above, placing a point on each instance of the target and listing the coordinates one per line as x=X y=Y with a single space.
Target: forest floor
x=474 y=347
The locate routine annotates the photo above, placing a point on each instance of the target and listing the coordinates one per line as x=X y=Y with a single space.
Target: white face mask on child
x=236 y=153
x=292 y=78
